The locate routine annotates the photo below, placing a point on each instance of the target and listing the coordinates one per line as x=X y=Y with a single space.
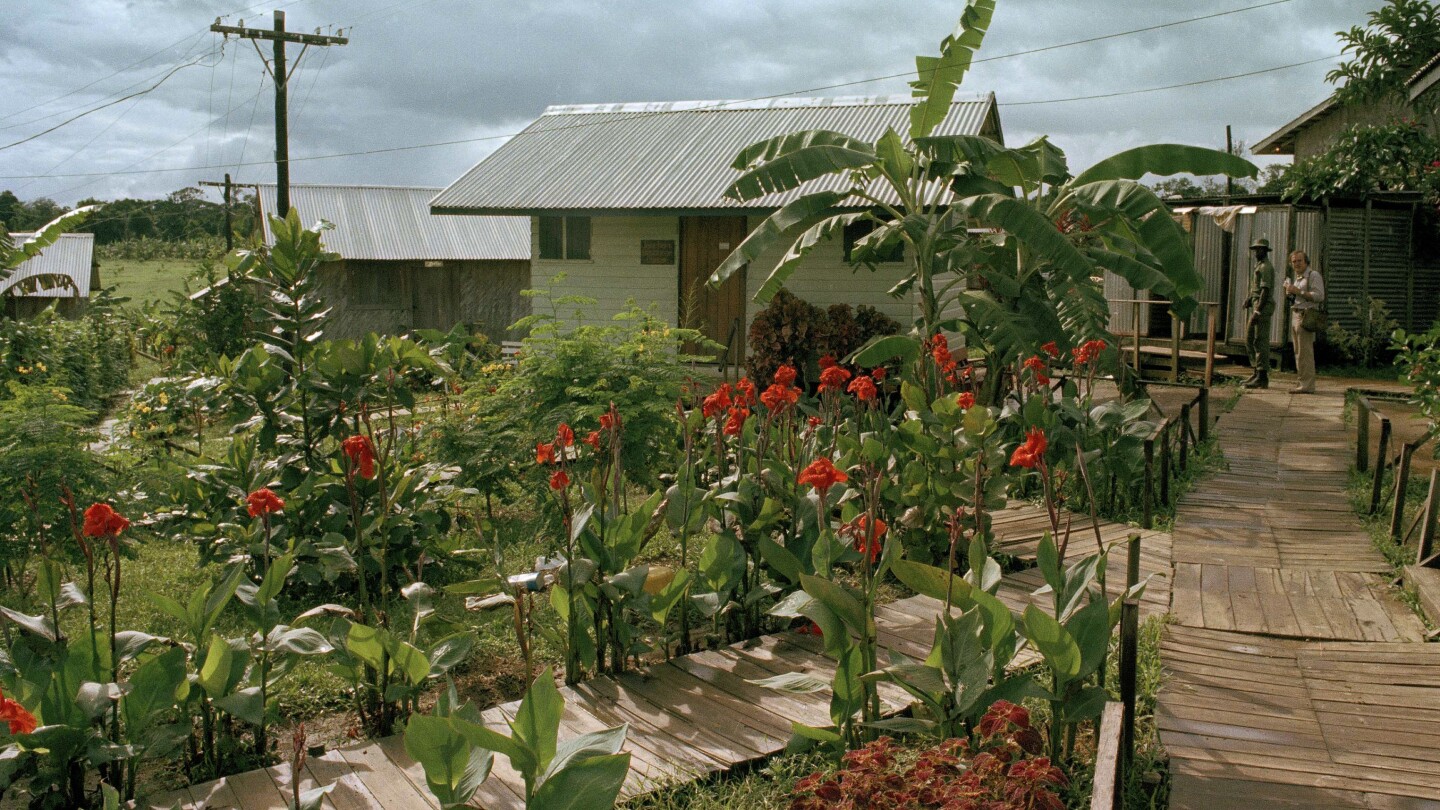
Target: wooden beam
x=279 y=36
x=1109 y=776
x=1402 y=483
x=1381 y=462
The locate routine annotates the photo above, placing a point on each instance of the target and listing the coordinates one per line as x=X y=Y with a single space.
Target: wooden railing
x=1167 y=451
x=1212 y=313
x=1366 y=414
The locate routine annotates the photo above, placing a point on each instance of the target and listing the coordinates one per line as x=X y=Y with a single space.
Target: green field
x=145 y=281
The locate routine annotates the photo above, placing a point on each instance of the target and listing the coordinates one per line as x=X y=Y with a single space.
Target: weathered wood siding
x=613 y=275
x=396 y=297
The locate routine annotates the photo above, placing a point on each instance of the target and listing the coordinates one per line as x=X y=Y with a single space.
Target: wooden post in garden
x=1174 y=349
x=1362 y=434
x=1135 y=324
x=1184 y=436
x=1129 y=667
x=1109 y=772
x=1210 y=313
x=1165 y=436
x=1381 y=462
x=1402 y=483
x=1427 y=527
x=1132 y=562
x=1203 y=400
x=1147 y=496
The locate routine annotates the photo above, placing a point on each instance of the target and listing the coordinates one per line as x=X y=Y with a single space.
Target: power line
x=72 y=120
x=1088 y=40
x=1195 y=83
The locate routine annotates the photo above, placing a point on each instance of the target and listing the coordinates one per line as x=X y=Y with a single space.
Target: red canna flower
x=559 y=480
x=863 y=388
x=813 y=422
x=828 y=361
x=263 y=502
x=1032 y=452
x=822 y=474
x=833 y=378
x=1050 y=348
x=607 y=422
x=965 y=400
x=20 y=720
x=779 y=396
x=785 y=375
x=863 y=541
x=361 y=452
x=103 y=521
x=544 y=453
x=744 y=393
x=717 y=402
x=1037 y=365
x=593 y=439
x=1088 y=353
x=811 y=629
x=736 y=423
x=878 y=373
x=940 y=351
x=564 y=436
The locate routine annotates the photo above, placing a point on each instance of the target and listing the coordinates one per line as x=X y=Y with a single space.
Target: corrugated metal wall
x=1209 y=263
x=1122 y=315
x=1390 y=275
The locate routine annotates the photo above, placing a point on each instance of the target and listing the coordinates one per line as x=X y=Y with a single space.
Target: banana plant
x=1031 y=277
x=456 y=750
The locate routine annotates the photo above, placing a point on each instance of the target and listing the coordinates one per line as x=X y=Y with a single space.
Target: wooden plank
x=256 y=790
x=1107 y=784
x=350 y=793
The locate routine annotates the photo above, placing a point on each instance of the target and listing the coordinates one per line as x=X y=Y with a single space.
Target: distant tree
x=1273 y=178
x=1400 y=37
x=11 y=210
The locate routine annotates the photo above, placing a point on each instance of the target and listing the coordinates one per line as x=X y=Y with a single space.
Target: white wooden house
x=628 y=202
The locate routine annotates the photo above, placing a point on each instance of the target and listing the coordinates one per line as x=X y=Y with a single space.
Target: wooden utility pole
x=229 y=186
x=279 y=36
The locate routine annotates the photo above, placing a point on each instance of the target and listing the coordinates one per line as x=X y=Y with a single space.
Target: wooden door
x=434 y=297
x=704 y=243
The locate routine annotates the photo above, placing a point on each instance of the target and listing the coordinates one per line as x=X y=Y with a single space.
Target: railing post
x=1402 y=484
x=1362 y=434
x=1174 y=349
x=1165 y=437
x=1135 y=325
x=1427 y=529
x=1381 y=463
x=1132 y=563
x=1211 y=313
x=1129 y=655
x=1184 y=436
x=1204 y=401
x=1148 y=495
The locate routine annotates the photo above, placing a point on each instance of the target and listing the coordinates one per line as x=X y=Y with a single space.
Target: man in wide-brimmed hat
x=1261 y=303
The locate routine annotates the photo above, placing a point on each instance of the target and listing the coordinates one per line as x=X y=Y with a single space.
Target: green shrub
x=89 y=357
x=1369 y=344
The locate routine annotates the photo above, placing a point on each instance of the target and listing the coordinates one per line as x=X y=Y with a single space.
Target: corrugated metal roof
x=392 y=223
x=71 y=255
x=671 y=156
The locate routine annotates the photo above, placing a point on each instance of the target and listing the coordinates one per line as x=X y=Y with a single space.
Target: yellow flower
x=143 y=408
x=41 y=367
x=23 y=369
x=60 y=395
x=163 y=398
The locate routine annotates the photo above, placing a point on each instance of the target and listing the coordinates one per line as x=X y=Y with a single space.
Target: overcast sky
x=426 y=71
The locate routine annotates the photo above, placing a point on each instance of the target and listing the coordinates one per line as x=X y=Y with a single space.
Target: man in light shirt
x=1307 y=288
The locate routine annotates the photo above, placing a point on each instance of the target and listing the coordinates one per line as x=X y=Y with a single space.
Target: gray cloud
x=437 y=70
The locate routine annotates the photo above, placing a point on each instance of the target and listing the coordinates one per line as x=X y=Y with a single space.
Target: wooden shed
x=402 y=268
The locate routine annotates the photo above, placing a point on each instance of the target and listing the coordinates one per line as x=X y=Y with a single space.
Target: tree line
x=180 y=216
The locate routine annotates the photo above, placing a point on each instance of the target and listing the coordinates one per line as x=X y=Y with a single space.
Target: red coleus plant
x=1001 y=772
x=263 y=502
x=361 y=453
x=822 y=474
x=103 y=521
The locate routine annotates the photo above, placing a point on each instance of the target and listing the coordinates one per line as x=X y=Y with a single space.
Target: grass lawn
x=146 y=281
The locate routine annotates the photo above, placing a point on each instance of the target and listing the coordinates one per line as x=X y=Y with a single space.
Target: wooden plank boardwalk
x=688 y=717
x=1295 y=677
